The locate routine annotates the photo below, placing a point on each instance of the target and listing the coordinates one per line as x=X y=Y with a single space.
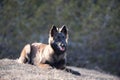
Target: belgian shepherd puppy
x=51 y=55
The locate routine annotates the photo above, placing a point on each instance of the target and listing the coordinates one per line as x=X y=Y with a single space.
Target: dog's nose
x=63 y=45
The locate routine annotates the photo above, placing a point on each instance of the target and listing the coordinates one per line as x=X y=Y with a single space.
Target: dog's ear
x=53 y=31
x=64 y=30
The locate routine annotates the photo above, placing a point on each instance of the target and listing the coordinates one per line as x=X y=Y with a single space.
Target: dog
x=51 y=55
x=48 y=55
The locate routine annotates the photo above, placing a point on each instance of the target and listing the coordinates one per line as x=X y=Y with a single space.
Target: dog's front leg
x=44 y=66
x=61 y=64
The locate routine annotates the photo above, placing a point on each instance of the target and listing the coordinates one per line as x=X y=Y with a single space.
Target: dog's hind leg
x=25 y=54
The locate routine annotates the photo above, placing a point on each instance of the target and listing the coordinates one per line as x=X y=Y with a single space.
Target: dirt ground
x=11 y=70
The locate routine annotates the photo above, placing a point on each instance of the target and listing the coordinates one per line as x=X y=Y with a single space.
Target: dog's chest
x=57 y=58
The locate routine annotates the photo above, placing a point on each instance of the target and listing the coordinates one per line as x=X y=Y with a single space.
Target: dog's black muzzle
x=59 y=47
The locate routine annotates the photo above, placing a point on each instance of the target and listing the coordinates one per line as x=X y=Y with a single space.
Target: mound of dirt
x=11 y=70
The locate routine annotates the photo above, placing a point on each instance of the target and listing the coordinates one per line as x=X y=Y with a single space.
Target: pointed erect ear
x=53 y=31
x=64 y=30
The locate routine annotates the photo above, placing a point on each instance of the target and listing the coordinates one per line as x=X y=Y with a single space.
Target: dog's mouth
x=61 y=48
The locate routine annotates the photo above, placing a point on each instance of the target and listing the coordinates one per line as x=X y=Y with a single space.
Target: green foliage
x=94 y=28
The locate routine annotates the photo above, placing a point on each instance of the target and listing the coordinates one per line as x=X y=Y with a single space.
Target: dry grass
x=11 y=70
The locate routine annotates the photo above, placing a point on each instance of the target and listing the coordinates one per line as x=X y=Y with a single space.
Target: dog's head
x=58 y=38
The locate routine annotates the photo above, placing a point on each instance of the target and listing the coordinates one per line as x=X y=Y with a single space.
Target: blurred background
x=94 y=29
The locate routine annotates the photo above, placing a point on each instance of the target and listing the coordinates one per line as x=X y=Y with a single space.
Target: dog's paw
x=45 y=66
